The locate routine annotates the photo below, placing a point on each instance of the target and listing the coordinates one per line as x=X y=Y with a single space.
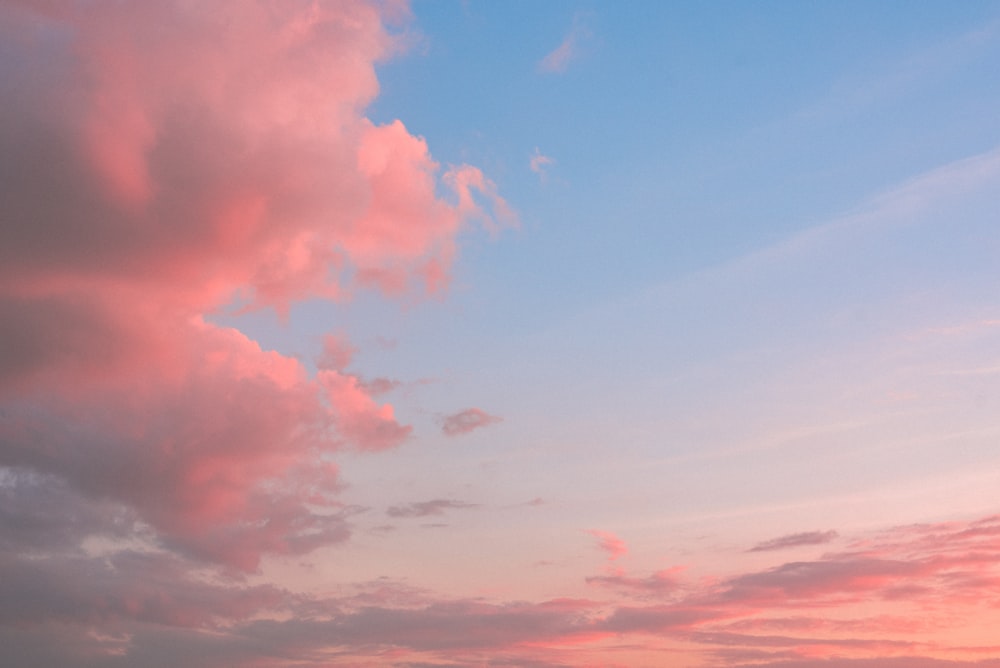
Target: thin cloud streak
x=428 y=508
x=559 y=59
x=795 y=540
x=466 y=421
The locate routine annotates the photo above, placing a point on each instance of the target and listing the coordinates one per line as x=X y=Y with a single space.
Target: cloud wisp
x=539 y=164
x=570 y=49
x=466 y=421
x=795 y=540
x=428 y=508
x=610 y=544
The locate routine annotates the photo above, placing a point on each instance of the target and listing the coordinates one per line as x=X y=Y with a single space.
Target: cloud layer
x=888 y=600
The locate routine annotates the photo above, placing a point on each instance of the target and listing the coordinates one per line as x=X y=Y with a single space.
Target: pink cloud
x=337 y=353
x=559 y=59
x=729 y=624
x=468 y=420
x=164 y=159
x=610 y=543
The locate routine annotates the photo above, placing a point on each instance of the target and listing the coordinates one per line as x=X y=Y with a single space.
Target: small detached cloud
x=795 y=540
x=380 y=385
x=337 y=353
x=539 y=163
x=428 y=508
x=465 y=421
x=610 y=543
x=558 y=60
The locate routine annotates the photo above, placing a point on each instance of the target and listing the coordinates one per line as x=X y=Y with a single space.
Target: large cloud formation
x=159 y=161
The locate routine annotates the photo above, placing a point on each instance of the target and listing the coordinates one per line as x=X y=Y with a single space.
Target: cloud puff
x=162 y=160
x=337 y=353
x=795 y=540
x=468 y=420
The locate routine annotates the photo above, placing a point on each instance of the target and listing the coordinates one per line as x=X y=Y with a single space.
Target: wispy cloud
x=337 y=353
x=795 y=540
x=539 y=164
x=614 y=546
x=467 y=420
x=558 y=60
x=428 y=508
x=659 y=583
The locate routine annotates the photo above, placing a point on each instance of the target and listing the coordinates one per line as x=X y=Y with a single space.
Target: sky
x=562 y=334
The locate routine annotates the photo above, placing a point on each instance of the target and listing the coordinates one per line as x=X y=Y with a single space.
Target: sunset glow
x=554 y=334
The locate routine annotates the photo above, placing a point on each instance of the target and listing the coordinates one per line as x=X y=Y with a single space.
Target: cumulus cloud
x=161 y=160
x=468 y=420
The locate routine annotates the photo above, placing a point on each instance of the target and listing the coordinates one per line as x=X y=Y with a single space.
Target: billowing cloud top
x=160 y=160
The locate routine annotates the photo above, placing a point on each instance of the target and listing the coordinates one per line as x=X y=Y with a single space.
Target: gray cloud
x=795 y=540
x=428 y=508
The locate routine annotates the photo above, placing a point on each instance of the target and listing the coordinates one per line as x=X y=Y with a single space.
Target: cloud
x=558 y=60
x=131 y=608
x=795 y=540
x=884 y=662
x=427 y=508
x=468 y=420
x=610 y=543
x=659 y=583
x=539 y=163
x=337 y=353
x=380 y=385
x=167 y=159
x=133 y=586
